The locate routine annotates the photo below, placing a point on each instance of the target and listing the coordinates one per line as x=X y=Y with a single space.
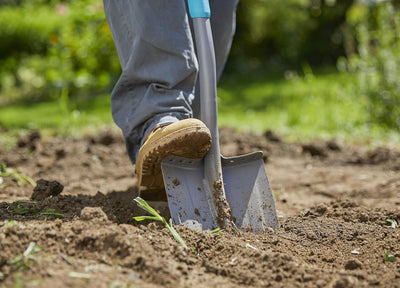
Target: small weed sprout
x=393 y=223
x=389 y=257
x=217 y=230
x=21 y=210
x=18 y=281
x=10 y=223
x=23 y=262
x=13 y=173
x=157 y=217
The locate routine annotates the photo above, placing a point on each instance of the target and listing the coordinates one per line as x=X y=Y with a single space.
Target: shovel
x=216 y=191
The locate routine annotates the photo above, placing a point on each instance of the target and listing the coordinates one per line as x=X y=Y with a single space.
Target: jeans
x=156 y=50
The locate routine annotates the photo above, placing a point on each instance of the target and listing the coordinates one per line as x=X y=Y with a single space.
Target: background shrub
x=375 y=32
x=288 y=33
x=53 y=47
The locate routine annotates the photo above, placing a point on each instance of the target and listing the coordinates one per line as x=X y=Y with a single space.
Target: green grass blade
x=15 y=174
x=141 y=218
x=175 y=234
x=23 y=211
x=55 y=214
x=29 y=250
x=145 y=206
x=157 y=217
x=215 y=231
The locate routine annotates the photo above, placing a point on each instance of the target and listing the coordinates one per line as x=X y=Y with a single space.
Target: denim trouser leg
x=154 y=42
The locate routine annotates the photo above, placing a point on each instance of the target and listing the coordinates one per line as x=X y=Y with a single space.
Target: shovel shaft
x=208 y=90
x=199 y=11
x=208 y=114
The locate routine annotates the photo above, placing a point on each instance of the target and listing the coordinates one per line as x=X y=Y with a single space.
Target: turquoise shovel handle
x=199 y=8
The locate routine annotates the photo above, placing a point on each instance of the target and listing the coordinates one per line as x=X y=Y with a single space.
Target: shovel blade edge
x=248 y=192
x=246 y=187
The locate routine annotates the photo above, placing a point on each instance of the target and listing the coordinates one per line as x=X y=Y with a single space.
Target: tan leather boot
x=189 y=138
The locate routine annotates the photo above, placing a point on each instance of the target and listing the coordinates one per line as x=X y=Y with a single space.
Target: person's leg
x=156 y=87
x=223 y=24
x=159 y=69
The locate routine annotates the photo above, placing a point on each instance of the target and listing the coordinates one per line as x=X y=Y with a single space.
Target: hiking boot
x=189 y=138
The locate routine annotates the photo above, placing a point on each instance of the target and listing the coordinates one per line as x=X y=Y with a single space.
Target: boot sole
x=189 y=142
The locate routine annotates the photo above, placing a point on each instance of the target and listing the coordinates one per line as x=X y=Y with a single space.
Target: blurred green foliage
x=373 y=43
x=23 y=34
x=288 y=33
x=51 y=46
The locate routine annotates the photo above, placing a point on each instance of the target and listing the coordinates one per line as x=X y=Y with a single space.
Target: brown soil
x=333 y=201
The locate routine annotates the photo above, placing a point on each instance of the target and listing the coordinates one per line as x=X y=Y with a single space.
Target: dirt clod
x=314 y=149
x=93 y=213
x=272 y=136
x=344 y=282
x=45 y=189
x=353 y=264
x=334 y=145
x=29 y=140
